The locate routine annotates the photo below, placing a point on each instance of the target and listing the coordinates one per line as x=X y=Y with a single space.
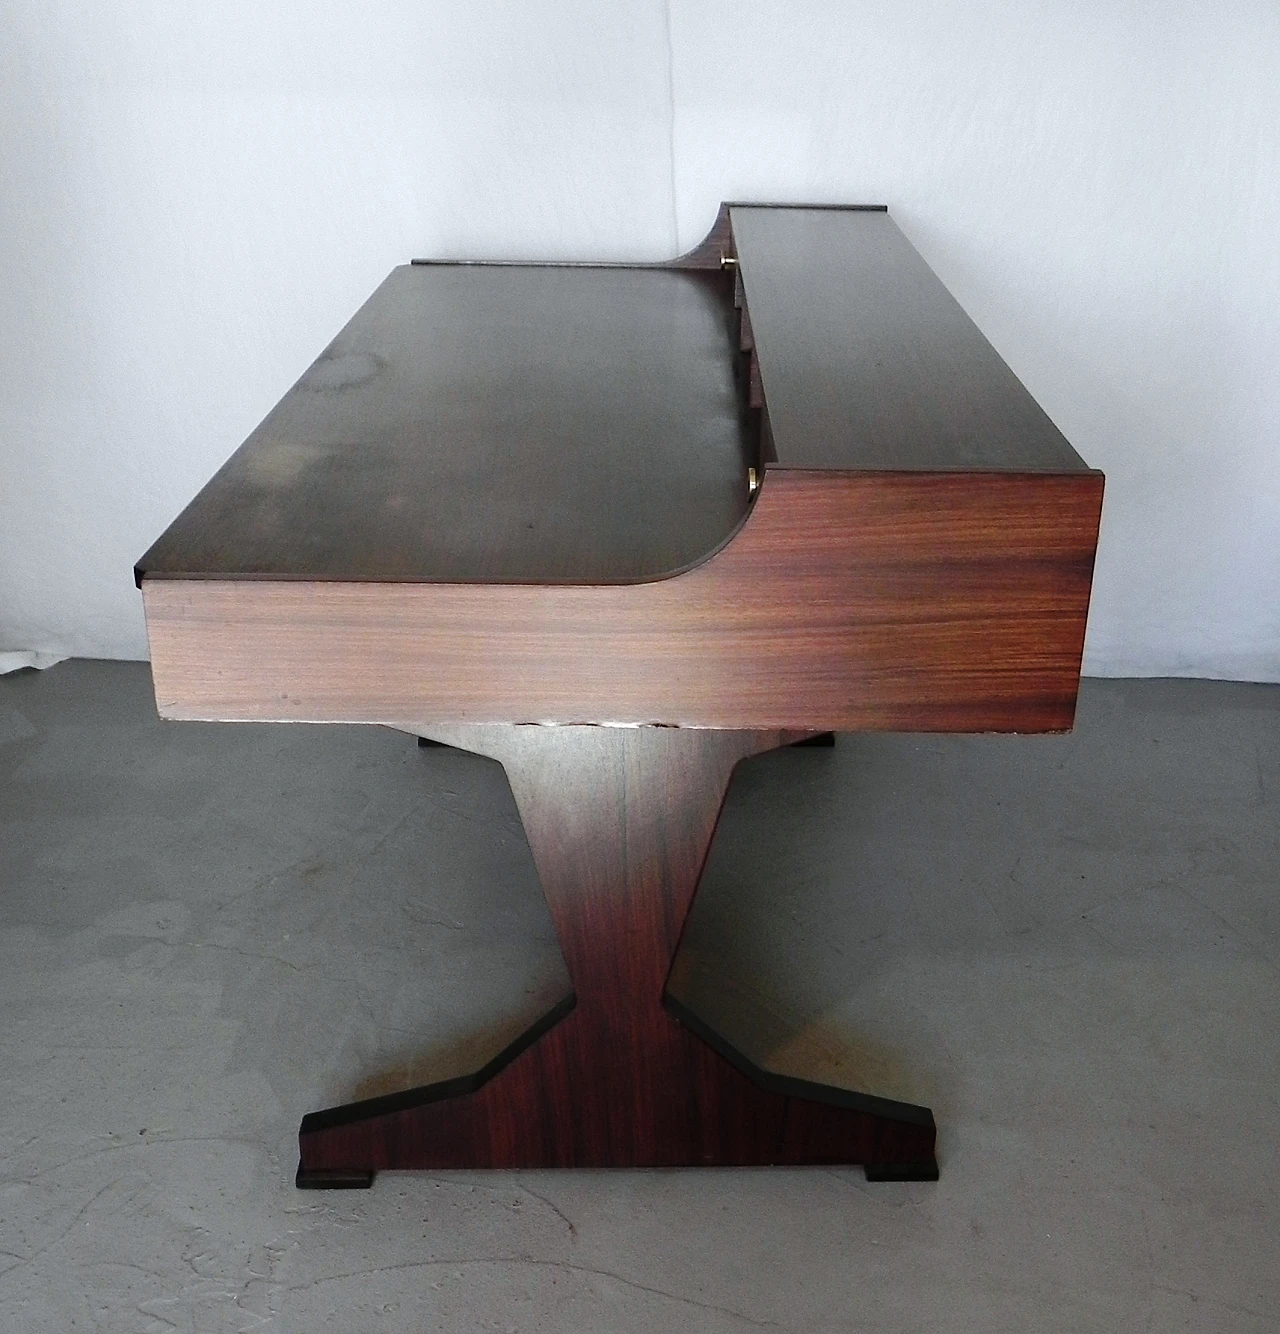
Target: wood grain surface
x=898 y=601
x=519 y=494
x=619 y=822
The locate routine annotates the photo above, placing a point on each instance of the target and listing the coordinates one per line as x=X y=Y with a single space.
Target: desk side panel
x=886 y=601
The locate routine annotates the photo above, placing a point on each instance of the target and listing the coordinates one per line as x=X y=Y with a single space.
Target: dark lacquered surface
x=868 y=362
x=535 y=424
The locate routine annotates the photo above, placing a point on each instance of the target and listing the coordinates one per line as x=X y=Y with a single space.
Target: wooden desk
x=619 y=527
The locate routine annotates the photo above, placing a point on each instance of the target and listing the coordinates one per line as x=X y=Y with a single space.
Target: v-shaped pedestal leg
x=618 y=1075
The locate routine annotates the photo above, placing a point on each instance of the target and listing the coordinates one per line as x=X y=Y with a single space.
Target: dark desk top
x=869 y=363
x=506 y=423
x=547 y=424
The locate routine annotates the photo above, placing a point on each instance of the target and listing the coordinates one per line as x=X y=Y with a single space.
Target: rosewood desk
x=618 y=527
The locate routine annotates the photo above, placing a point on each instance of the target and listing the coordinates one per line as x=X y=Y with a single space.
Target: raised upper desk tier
x=523 y=494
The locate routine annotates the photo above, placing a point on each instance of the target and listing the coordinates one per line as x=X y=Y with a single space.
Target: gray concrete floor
x=1067 y=946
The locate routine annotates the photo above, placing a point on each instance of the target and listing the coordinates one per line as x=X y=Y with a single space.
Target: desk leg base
x=554 y=1100
x=620 y=1074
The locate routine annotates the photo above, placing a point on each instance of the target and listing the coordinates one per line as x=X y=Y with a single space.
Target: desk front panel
x=846 y=601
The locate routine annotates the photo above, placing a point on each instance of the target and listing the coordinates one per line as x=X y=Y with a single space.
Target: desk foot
x=322 y=1178
x=924 y=1170
x=620 y=1074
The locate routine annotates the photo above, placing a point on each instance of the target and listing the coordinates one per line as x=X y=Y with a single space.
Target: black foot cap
x=327 y=1178
x=824 y=739
x=925 y=1171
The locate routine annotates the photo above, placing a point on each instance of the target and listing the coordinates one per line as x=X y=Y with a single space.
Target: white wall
x=195 y=197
